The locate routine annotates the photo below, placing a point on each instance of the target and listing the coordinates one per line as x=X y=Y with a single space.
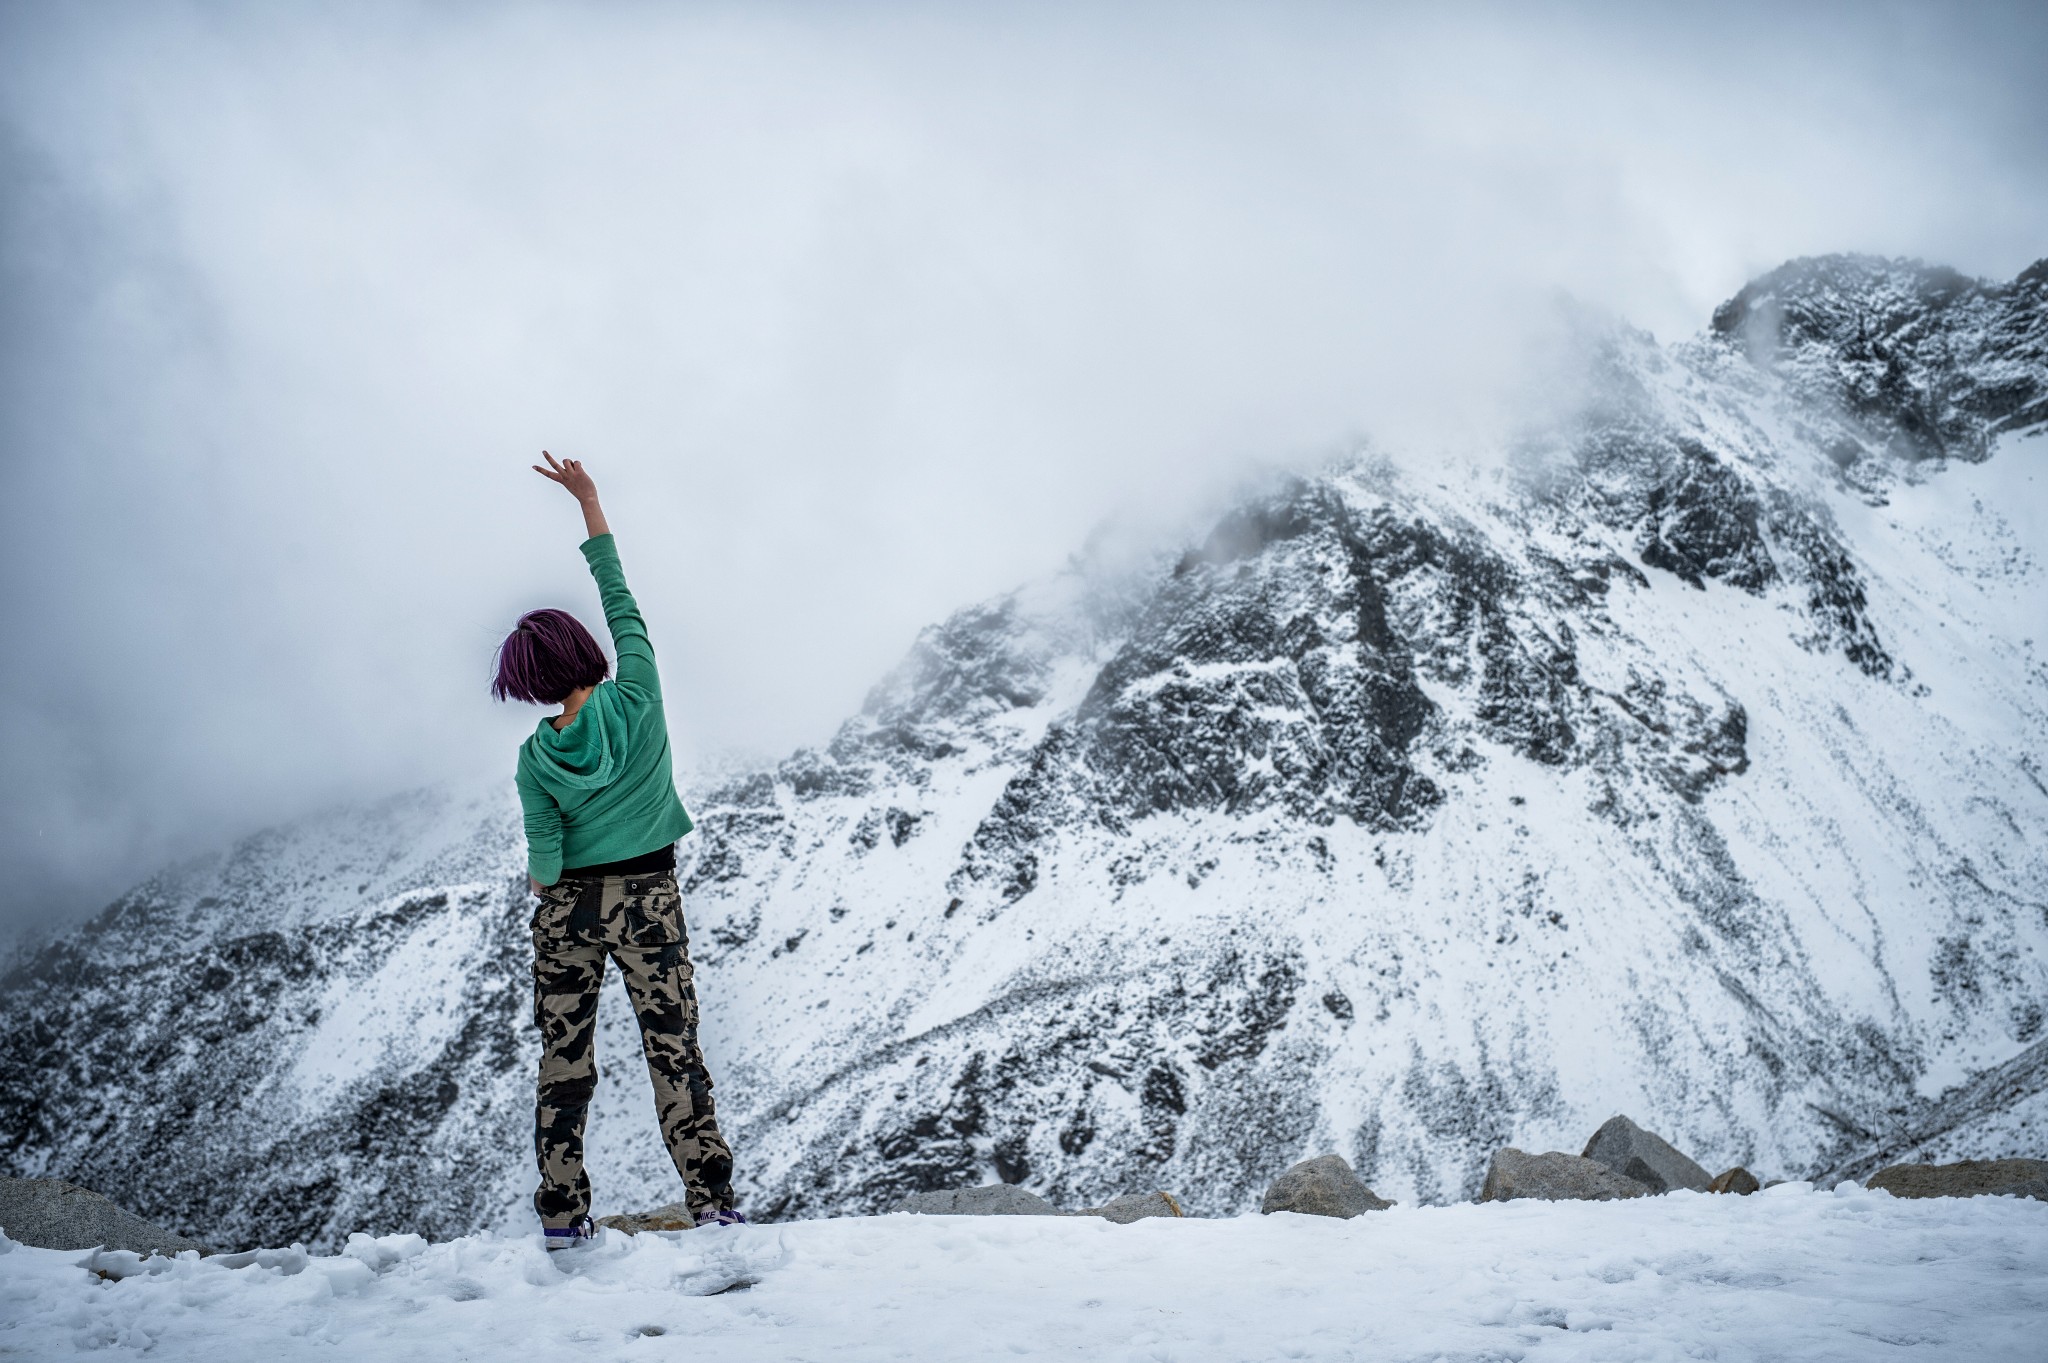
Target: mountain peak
x=1926 y=361
x=1667 y=769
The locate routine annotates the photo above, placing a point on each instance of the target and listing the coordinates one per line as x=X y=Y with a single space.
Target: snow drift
x=1793 y=1273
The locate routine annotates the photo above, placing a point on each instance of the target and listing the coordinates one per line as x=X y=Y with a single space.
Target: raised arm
x=638 y=677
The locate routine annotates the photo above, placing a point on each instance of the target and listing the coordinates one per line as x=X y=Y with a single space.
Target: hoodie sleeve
x=543 y=819
x=637 y=676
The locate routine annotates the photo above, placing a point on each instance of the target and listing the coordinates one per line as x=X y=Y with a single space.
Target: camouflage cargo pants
x=638 y=922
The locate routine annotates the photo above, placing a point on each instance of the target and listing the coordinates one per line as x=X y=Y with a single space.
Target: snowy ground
x=1791 y=1273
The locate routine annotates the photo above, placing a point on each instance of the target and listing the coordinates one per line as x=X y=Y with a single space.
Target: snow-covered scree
x=1791 y=1273
x=1686 y=761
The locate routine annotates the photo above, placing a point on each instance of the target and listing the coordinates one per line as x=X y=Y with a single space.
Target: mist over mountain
x=1683 y=761
x=857 y=311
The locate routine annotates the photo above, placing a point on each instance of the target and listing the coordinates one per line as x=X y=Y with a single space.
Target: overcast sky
x=857 y=312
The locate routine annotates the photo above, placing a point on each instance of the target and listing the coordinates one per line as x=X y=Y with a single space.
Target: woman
x=598 y=794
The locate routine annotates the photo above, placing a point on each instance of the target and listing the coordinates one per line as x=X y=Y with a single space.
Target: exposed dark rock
x=52 y=1214
x=1644 y=1156
x=1705 y=521
x=1737 y=1180
x=1928 y=363
x=995 y=1199
x=1323 y=1186
x=1966 y=1178
x=1554 y=1177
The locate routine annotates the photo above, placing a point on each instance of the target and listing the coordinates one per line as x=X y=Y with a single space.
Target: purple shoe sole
x=579 y=1232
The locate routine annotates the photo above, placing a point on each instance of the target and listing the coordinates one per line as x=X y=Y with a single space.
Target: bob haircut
x=547 y=655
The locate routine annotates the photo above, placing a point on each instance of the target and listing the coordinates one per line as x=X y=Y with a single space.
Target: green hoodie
x=601 y=789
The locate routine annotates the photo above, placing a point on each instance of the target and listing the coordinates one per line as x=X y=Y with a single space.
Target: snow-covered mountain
x=1686 y=760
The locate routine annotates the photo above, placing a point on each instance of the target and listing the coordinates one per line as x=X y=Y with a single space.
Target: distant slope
x=2003 y=1110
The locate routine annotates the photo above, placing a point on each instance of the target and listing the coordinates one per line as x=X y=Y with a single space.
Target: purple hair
x=547 y=655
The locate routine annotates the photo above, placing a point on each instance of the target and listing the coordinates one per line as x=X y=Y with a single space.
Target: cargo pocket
x=551 y=917
x=654 y=911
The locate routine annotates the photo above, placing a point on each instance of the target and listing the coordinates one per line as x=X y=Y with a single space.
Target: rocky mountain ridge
x=1684 y=761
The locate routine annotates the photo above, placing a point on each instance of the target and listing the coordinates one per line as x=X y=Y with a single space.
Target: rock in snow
x=52 y=1214
x=1554 y=1177
x=1323 y=1186
x=1966 y=1178
x=1644 y=1156
x=1685 y=759
x=671 y=1216
x=1137 y=1207
x=995 y=1199
x=1737 y=1180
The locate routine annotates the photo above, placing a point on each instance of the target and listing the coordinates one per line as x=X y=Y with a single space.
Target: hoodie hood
x=590 y=751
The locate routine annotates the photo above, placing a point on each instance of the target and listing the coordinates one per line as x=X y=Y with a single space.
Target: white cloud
x=858 y=313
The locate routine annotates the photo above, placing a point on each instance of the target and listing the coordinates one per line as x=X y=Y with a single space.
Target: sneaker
x=581 y=1231
x=713 y=1216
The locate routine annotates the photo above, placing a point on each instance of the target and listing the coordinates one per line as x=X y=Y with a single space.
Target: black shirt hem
x=660 y=859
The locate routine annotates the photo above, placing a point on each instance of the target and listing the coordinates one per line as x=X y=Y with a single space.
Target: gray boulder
x=1736 y=1180
x=996 y=1199
x=52 y=1214
x=1323 y=1186
x=1966 y=1178
x=1136 y=1207
x=1554 y=1177
x=1644 y=1156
